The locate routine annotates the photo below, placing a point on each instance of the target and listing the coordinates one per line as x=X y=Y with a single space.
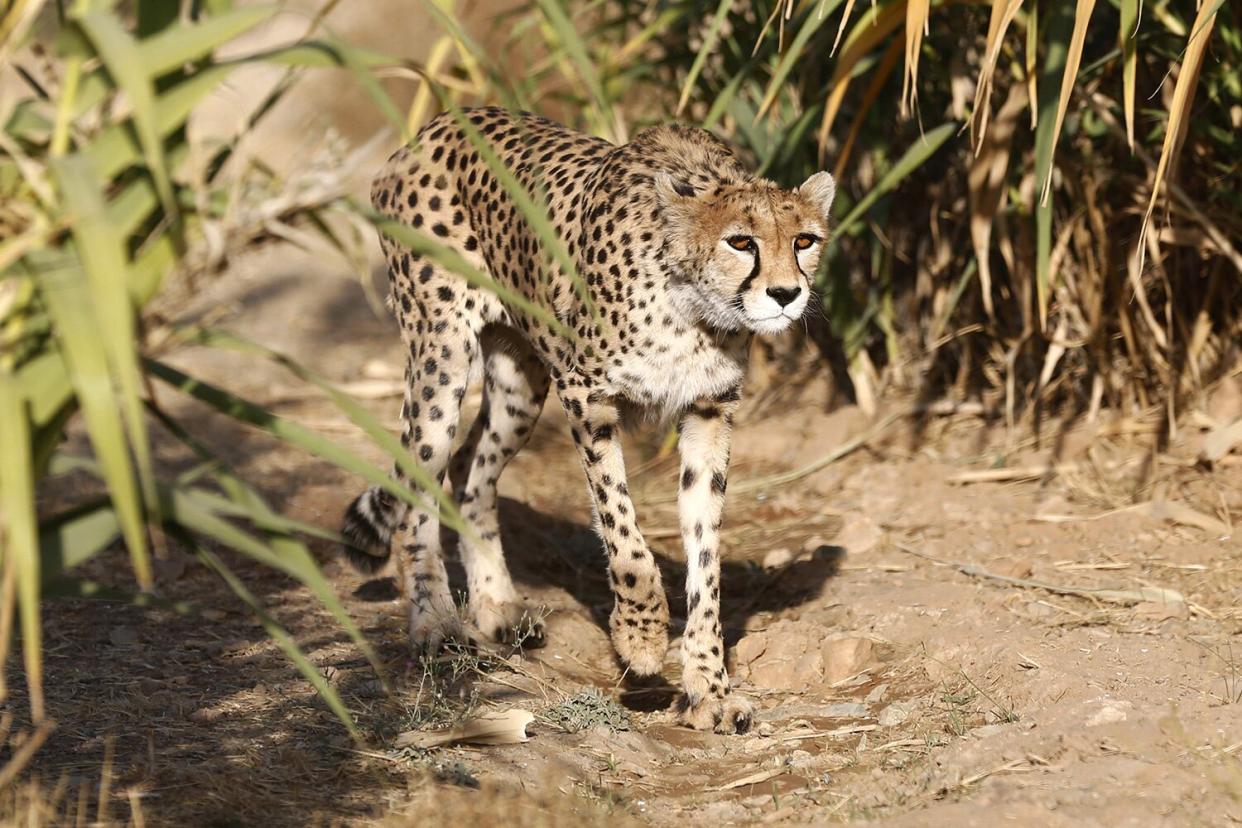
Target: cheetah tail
x=370 y=522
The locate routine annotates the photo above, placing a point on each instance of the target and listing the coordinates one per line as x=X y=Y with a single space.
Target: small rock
x=777 y=558
x=989 y=730
x=858 y=535
x=799 y=759
x=123 y=636
x=896 y=713
x=1024 y=542
x=1110 y=713
x=796 y=655
x=843 y=657
x=877 y=694
x=765 y=729
x=632 y=768
x=214 y=615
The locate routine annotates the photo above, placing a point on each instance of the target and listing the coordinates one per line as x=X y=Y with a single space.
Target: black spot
x=687 y=478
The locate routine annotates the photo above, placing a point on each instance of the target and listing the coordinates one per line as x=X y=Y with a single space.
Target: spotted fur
x=685 y=255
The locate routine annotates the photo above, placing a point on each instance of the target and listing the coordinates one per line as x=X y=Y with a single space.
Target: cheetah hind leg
x=436 y=384
x=515 y=385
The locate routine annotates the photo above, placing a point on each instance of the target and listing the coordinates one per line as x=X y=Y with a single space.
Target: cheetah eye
x=741 y=242
x=804 y=240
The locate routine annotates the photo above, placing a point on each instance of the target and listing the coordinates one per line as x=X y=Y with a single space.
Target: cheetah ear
x=819 y=189
x=669 y=191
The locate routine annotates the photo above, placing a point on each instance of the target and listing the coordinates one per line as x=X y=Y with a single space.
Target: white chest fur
x=677 y=369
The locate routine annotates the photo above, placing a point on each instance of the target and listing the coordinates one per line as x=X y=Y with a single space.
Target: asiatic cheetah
x=684 y=255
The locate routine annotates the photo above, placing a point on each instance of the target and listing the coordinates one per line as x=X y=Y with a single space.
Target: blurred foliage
x=103 y=202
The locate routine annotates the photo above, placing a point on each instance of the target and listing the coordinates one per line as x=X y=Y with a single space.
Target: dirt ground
x=901 y=680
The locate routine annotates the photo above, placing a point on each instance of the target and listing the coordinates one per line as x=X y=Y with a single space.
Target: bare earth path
x=894 y=687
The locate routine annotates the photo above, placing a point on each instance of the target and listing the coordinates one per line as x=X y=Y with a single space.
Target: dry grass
x=432 y=805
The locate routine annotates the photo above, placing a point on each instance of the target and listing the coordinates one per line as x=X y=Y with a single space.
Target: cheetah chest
x=671 y=372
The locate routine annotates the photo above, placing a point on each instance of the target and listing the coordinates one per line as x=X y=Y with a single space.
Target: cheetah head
x=744 y=257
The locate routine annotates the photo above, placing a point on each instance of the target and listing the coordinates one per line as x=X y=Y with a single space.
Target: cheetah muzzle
x=684 y=255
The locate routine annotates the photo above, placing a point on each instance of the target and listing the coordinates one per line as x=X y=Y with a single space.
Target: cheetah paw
x=432 y=633
x=511 y=623
x=641 y=647
x=727 y=714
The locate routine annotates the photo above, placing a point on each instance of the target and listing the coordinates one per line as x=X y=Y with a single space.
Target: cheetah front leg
x=705 y=433
x=639 y=620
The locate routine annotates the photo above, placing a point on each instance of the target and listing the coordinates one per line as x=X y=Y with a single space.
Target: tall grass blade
x=100 y=249
x=917 y=12
x=845 y=18
x=579 y=56
x=1003 y=13
x=873 y=26
x=872 y=93
x=123 y=60
x=708 y=47
x=534 y=211
x=1030 y=55
x=1082 y=18
x=356 y=413
x=176 y=46
x=724 y=100
x=69 y=300
x=114 y=148
x=420 y=107
x=17 y=532
x=467 y=45
x=72 y=538
x=308 y=440
x=1128 y=36
x=923 y=148
x=422 y=244
x=1179 y=110
x=1059 y=26
x=810 y=25
x=242 y=501
x=986 y=181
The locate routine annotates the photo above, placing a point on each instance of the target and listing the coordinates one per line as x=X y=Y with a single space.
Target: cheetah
x=684 y=256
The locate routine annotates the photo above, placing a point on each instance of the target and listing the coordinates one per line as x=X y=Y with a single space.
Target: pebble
x=896 y=713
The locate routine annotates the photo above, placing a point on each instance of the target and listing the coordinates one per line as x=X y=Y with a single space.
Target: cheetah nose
x=784 y=296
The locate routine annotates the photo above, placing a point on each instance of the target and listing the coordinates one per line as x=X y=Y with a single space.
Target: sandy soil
x=898 y=685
